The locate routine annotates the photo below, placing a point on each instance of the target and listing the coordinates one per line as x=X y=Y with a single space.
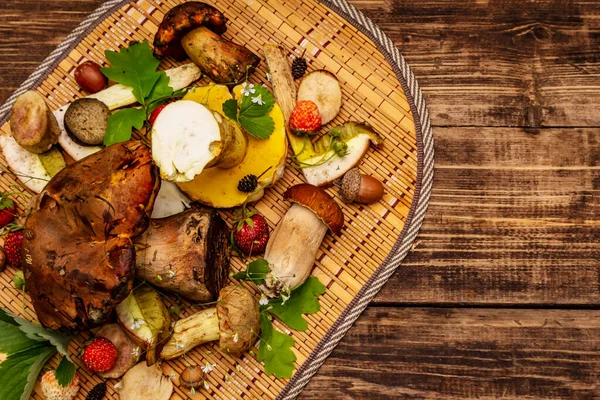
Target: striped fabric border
x=424 y=170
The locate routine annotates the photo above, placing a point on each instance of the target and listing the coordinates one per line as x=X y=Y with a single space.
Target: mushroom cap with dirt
x=293 y=245
x=234 y=322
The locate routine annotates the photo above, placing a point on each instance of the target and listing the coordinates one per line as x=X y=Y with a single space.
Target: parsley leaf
x=256 y=272
x=120 y=123
x=255 y=104
x=275 y=350
x=65 y=372
x=302 y=300
x=133 y=66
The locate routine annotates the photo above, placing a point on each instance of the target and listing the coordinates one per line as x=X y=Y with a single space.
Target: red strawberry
x=100 y=355
x=8 y=210
x=155 y=113
x=305 y=118
x=12 y=247
x=252 y=234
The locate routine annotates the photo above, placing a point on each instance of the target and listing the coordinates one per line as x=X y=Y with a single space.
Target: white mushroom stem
x=199 y=328
x=292 y=249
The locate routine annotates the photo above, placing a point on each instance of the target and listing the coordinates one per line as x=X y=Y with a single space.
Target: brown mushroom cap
x=239 y=322
x=320 y=202
x=181 y=19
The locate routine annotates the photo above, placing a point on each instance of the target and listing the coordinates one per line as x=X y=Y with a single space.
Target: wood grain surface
x=513 y=90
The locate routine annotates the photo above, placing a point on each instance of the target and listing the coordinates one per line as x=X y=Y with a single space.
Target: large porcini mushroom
x=78 y=256
x=187 y=253
x=293 y=246
x=234 y=322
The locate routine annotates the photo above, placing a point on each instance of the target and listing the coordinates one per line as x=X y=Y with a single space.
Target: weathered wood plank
x=464 y=354
x=501 y=63
x=513 y=218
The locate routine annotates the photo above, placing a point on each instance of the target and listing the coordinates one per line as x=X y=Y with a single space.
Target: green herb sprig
x=254 y=105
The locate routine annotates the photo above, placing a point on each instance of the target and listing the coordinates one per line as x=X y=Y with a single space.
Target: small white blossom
x=206 y=385
x=247 y=90
x=269 y=76
x=136 y=352
x=235 y=338
x=172 y=375
x=269 y=347
x=208 y=367
x=258 y=100
x=284 y=297
x=171 y=273
x=263 y=300
x=192 y=391
x=178 y=345
x=137 y=322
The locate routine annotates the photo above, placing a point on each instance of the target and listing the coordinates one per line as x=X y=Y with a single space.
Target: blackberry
x=248 y=183
x=299 y=67
x=97 y=392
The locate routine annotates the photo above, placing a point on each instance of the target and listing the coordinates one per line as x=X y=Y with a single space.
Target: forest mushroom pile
x=144 y=191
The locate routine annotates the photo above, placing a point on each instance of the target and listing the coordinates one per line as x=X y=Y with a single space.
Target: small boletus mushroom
x=192 y=377
x=234 y=322
x=293 y=246
x=359 y=188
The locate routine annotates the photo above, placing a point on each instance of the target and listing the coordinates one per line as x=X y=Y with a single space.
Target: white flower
x=285 y=297
x=208 y=367
x=136 y=352
x=192 y=391
x=171 y=273
x=247 y=90
x=178 y=345
x=269 y=76
x=258 y=100
x=172 y=375
x=206 y=385
x=235 y=338
x=263 y=300
x=137 y=322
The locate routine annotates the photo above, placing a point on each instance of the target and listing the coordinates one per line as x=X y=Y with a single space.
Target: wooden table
x=500 y=296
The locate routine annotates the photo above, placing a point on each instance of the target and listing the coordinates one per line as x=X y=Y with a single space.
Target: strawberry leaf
x=302 y=300
x=65 y=372
x=230 y=109
x=260 y=127
x=256 y=272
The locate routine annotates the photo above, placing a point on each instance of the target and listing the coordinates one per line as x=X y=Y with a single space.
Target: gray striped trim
x=420 y=198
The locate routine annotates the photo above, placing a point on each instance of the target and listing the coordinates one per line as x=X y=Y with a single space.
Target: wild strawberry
x=53 y=391
x=251 y=234
x=8 y=210
x=155 y=113
x=305 y=119
x=13 y=245
x=100 y=355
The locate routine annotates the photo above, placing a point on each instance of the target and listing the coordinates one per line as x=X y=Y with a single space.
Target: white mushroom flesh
x=292 y=249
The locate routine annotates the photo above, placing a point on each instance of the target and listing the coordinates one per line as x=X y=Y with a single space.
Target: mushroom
x=187 y=253
x=234 y=322
x=293 y=246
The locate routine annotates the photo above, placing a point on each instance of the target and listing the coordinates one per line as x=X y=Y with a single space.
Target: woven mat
x=377 y=87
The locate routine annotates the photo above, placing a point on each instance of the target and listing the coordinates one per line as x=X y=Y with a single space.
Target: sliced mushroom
x=293 y=246
x=234 y=322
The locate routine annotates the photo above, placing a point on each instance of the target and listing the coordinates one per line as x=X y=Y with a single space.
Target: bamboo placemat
x=377 y=87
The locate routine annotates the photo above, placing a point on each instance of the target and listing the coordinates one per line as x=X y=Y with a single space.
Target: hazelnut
x=192 y=377
x=359 y=188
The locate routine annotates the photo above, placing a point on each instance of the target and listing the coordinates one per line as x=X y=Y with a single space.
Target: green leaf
x=161 y=90
x=12 y=339
x=275 y=350
x=19 y=372
x=134 y=66
x=303 y=300
x=256 y=272
x=259 y=127
x=65 y=372
x=258 y=103
x=35 y=332
x=6 y=317
x=230 y=109
x=121 y=123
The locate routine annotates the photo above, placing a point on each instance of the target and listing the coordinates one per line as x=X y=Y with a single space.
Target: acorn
x=192 y=377
x=359 y=188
